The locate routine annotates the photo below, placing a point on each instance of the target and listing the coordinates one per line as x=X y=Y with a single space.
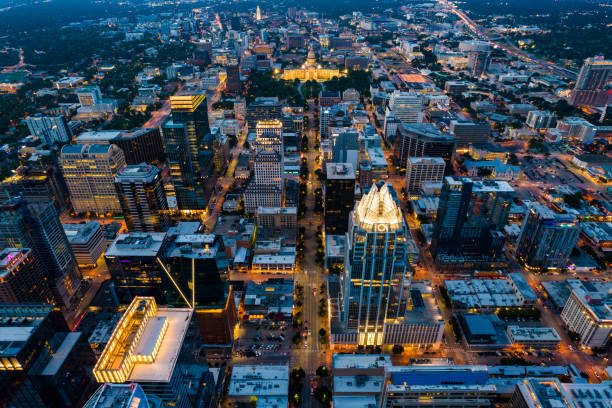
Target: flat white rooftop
x=259 y=380
x=361 y=360
x=163 y=366
x=348 y=401
x=358 y=384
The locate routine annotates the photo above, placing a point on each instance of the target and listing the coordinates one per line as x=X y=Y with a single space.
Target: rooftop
x=137 y=172
x=378 y=211
x=98 y=136
x=522 y=334
x=358 y=384
x=347 y=361
x=145 y=344
x=10 y=258
x=595 y=296
x=340 y=171
x=137 y=244
x=81 y=233
x=259 y=380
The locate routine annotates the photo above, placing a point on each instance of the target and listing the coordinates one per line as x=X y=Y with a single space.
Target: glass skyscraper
x=376 y=281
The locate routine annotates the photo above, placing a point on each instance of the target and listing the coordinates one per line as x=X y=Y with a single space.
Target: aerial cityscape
x=271 y=204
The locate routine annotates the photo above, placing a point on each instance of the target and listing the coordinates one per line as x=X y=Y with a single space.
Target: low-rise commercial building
x=537 y=337
x=259 y=383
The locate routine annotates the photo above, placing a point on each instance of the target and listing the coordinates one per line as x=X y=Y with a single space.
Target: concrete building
x=142 y=197
x=406 y=106
x=86 y=242
x=536 y=337
x=266 y=385
x=588 y=312
x=420 y=170
x=89 y=171
x=547 y=239
x=277 y=217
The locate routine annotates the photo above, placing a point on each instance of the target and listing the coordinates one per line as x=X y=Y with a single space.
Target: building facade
x=89 y=171
x=421 y=170
x=339 y=197
x=142 y=198
x=376 y=272
x=547 y=239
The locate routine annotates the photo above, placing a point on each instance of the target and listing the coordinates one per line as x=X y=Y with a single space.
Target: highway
x=507 y=45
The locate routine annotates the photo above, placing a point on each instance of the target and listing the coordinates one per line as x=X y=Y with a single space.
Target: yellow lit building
x=311 y=71
x=144 y=345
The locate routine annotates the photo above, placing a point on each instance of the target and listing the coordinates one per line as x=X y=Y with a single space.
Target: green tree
x=322 y=371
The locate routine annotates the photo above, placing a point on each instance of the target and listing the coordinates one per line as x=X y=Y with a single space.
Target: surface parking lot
x=256 y=338
x=548 y=170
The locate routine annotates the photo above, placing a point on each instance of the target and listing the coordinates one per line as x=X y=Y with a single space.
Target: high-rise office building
x=44 y=365
x=406 y=106
x=470 y=133
x=232 y=82
x=268 y=169
x=376 y=277
x=478 y=62
x=134 y=268
x=421 y=170
x=86 y=242
x=266 y=188
x=141 y=145
x=50 y=129
x=470 y=217
x=547 y=239
x=339 y=197
x=142 y=198
x=269 y=135
x=22 y=279
x=191 y=110
x=37 y=226
x=263 y=109
x=89 y=171
x=424 y=139
x=188 y=147
x=35 y=184
x=365 y=174
x=590 y=88
x=189 y=189
x=345 y=146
